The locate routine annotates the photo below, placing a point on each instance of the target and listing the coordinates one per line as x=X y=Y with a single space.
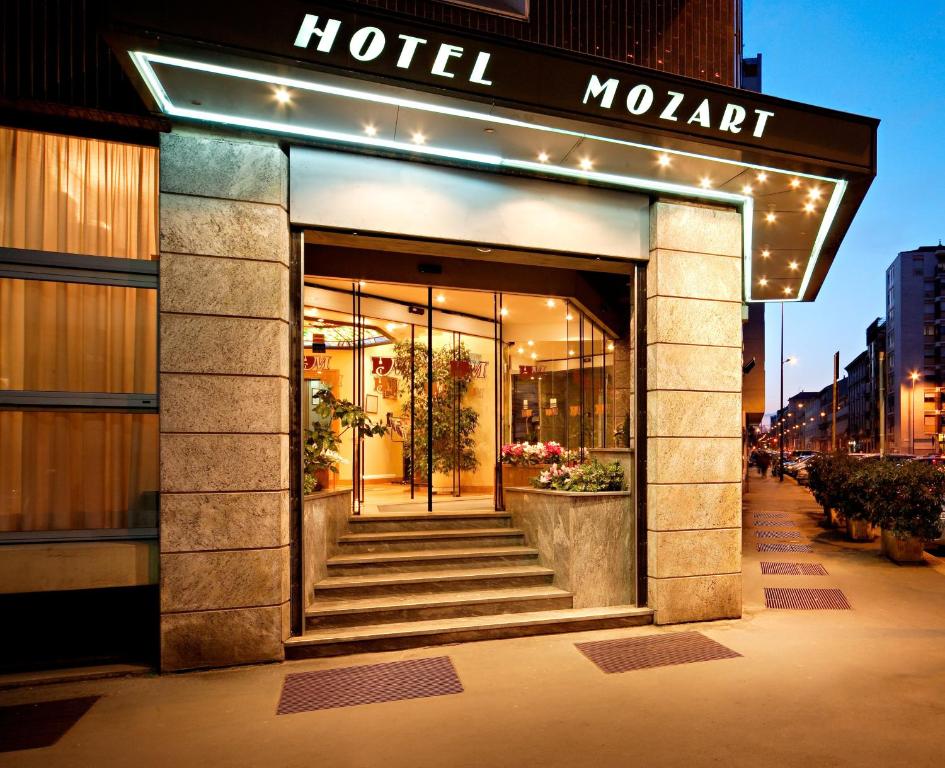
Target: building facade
x=384 y=207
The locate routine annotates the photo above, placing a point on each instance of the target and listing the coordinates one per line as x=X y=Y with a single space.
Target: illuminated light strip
x=142 y=61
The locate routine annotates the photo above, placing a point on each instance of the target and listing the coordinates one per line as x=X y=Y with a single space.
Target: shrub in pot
x=908 y=508
x=827 y=476
x=864 y=483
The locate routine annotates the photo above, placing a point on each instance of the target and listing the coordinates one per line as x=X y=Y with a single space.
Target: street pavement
x=857 y=687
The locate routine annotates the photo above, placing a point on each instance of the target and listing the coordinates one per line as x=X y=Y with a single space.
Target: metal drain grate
x=368 y=684
x=766 y=547
x=806 y=599
x=770 y=523
x=793 y=569
x=778 y=534
x=630 y=653
x=769 y=515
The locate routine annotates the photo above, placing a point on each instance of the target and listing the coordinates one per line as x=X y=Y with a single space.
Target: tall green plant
x=911 y=501
x=828 y=474
x=454 y=423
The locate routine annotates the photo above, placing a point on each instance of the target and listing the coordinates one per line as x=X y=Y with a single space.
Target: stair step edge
x=445 y=533
x=434 y=600
x=429 y=554
x=453 y=574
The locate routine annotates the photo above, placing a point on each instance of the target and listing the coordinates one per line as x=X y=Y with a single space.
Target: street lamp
x=913 y=377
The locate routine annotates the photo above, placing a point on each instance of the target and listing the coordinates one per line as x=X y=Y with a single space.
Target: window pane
x=70 y=337
x=72 y=471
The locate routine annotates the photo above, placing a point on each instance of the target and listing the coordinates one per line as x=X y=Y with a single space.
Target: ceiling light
x=746 y=190
x=610 y=347
x=533 y=356
x=550 y=303
x=570 y=351
x=370 y=130
x=770 y=217
x=663 y=159
x=569 y=317
x=795 y=183
x=586 y=164
x=809 y=207
x=361 y=283
x=440 y=298
x=531 y=343
x=814 y=193
x=762 y=177
x=793 y=265
x=282 y=96
x=503 y=311
x=765 y=253
x=705 y=182
x=391 y=326
x=787 y=290
x=521 y=350
x=418 y=138
x=542 y=157
x=763 y=281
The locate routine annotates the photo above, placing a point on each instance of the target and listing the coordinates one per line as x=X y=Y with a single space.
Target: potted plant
x=827 y=477
x=589 y=477
x=909 y=510
x=322 y=440
x=521 y=462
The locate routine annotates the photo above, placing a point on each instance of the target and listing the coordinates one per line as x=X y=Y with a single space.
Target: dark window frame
x=61 y=267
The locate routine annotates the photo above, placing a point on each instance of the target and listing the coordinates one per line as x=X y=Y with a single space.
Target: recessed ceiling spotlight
x=765 y=253
x=533 y=356
x=705 y=182
x=610 y=347
x=586 y=164
x=521 y=350
x=770 y=217
x=503 y=311
x=569 y=317
x=550 y=303
x=440 y=298
x=746 y=190
x=787 y=290
x=809 y=207
x=283 y=96
x=370 y=130
x=793 y=265
x=542 y=157
x=795 y=183
x=570 y=351
x=530 y=343
x=814 y=193
x=488 y=130
x=663 y=159
x=762 y=177
x=763 y=281
x=418 y=138
x=361 y=283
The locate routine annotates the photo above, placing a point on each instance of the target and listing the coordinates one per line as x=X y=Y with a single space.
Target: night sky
x=874 y=58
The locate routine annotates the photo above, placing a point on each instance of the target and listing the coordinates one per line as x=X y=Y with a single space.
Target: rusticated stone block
x=687 y=460
x=696 y=598
x=198 y=344
x=695 y=228
x=685 y=506
x=207 y=521
x=227 y=228
x=694 y=414
x=239 y=578
x=224 y=462
x=695 y=276
x=684 y=366
x=221 y=167
x=694 y=321
x=207 y=403
x=210 y=285
x=221 y=638
x=694 y=553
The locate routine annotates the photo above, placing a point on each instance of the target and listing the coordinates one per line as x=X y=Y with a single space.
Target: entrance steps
x=402 y=580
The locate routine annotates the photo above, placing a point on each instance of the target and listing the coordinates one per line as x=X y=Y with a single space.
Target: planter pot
x=860 y=530
x=519 y=477
x=907 y=550
x=325 y=479
x=837 y=520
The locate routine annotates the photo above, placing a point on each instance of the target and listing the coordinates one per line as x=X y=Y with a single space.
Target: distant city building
x=915 y=366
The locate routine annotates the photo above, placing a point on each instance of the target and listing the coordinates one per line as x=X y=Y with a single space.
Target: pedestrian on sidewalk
x=763 y=460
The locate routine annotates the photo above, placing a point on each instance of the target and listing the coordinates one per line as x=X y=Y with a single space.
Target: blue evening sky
x=872 y=57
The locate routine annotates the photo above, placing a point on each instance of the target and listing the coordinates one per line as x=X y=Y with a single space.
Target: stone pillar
x=224 y=388
x=694 y=383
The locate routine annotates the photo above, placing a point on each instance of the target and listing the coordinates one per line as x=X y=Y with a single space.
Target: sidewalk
x=860 y=687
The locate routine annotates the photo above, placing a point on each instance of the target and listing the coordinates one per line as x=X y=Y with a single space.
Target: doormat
x=368 y=684
x=806 y=599
x=41 y=724
x=778 y=534
x=766 y=547
x=793 y=569
x=630 y=653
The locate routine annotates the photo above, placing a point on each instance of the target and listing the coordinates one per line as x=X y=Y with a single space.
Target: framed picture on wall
x=370 y=403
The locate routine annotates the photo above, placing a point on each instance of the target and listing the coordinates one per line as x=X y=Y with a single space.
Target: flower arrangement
x=590 y=477
x=530 y=454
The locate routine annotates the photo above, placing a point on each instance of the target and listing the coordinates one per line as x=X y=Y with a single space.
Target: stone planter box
x=587 y=538
x=514 y=476
x=837 y=520
x=860 y=530
x=907 y=550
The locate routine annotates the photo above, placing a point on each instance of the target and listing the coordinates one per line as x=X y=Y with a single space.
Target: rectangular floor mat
x=769 y=515
x=41 y=724
x=631 y=653
x=764 y=546
x=368 y=684
x=778 y=534
x=806 y=599
x=770 y=523
x=793 y=569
